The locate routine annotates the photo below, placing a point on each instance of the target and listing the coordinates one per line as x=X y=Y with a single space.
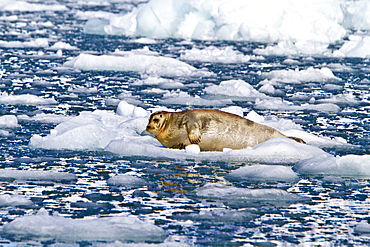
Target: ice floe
x=54 y=227
x=235 y=89
x=125 y=180
x=227 y=192
x=298 y=76
x=7 y=200
x=348 y=165
x=215 y=55
x=9 y=122
x=123 y=133
x=10 y=5
x=265 y=173
x=232 y=20
x=25 y=99
x=39 y=42
x=33 y=175
x=145 y=64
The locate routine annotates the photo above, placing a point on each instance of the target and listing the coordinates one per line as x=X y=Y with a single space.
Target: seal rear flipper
x=297 y=139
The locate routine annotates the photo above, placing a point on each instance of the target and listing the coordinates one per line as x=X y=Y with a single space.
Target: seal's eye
x=160 y=115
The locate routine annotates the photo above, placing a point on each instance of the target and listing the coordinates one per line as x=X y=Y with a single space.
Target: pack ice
x=299 y=27
x=123 y=133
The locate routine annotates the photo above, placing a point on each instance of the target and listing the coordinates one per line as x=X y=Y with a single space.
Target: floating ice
x=217 y=215
x=25 y=99
x=236 y=89
x=298 y=76
x=10 y=5
x=146 y=64
x=122 y=133
x=349 y=165
x=125 y=180
x=39 y=42
x=89 y=131
x=8 y=122
x=356 y=46
x=62 y=46
x=215 y=55
x=226 y=192
x=274 y=151
x=159 y=82
x=234 y=20
x=45 y=118
x=362 y=228
x=45 y=226
x=14 y=200
x=33 y=175
x=183 y=98
x=264 y=173
x=287 y=47
x=279 y=104
x=289 y=128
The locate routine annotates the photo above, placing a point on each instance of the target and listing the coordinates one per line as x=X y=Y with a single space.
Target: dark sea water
x=336 y=205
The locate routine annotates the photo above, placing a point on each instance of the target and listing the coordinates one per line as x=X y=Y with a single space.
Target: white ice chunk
x=238 y=89
x=7 y=200
x=62 y=46
x=192 y=149
x=159 y=82
x=25 y=99
x=128 y=110
x=95 y=130
x=9 y=122
x=261 y=21
x=33 y=175
x=356 y=46
x=279 y=104
x=362 y=228
x=45 y=118
x=30 y=7
x=127 y=181
x=39 y=42
x=264 y=173
x=226 y=192
x=183 y=98
x=297 y=76
x=45 y=226
x=348 y=165
x=287 y=47
x=215 y=55
x=146 y=64
x=274 y=151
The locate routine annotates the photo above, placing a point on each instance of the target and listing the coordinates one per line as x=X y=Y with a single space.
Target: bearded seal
x=212 y=130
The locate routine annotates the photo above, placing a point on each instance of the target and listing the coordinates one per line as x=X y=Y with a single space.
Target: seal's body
x=212 y=130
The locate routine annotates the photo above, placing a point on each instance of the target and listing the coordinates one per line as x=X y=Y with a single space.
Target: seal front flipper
x=178 y=146
x=194 y=136
x=193 y=133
